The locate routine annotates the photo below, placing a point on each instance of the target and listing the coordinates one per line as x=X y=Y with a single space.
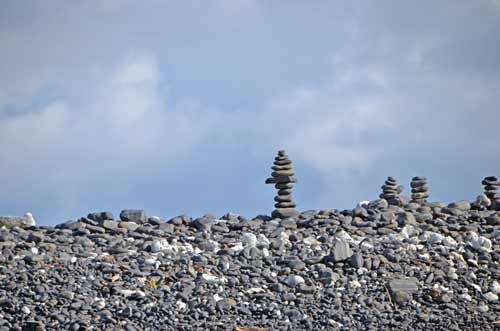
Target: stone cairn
x=391 y=191
x=283 y=178
x=419 y=189
x=491 y=185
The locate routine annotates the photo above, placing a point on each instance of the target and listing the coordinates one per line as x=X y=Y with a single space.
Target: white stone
x=25 y=310
x=449 y=242
x=217 y=298
x=29 y=219
x=249 y=240
x=211 y=278
x=156 y=246
x=150 y=261
x=294 y=280
x=254 y=290
x=34 y=250
x=100 y=304
x=262 y=240
x=342 y=235
x=483 y=201
x=363 y=203
x=490 y=296
x=354 y=284
x=236 y=248
x=180 y=305
x=435 y=238
x=309 y=241
x=495 y=287
x=478 y=242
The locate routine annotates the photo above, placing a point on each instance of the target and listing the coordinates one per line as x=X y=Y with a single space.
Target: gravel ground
x=379 y=266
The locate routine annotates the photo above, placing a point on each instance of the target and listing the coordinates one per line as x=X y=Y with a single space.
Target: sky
x=179 y=107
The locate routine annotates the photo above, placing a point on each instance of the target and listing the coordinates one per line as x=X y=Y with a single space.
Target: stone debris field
x=395 y=263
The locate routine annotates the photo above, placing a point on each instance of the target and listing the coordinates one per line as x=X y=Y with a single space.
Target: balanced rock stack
x=391 y=191
x=419 y=189
x=491 y=185
x=283 y=178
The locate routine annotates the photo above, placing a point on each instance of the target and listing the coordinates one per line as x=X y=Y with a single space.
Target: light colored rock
x=478 y=242
x=483 y=201
x=363 y=203
x=354 y=284
x=249 y=240
x=211 y=279
x=180 y=305
x=294 y=280
x=495 y=287
x=156 y=246
x=435 y=238
x=29 y=220
x=490 y=296
x=449 y=242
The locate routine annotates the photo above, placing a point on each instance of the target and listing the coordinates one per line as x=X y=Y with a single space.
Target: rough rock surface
x=418 y=266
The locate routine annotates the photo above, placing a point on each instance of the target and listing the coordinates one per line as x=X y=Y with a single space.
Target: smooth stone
x=294 y=280
x=418 y=183
x=285 y=167
x=378 y=204
x=133 y=215
x=284 y=213
x=285 y=205
x=356 y=260
x=282 y=173
x=281 y=179
x=341 y=251
x=284 y=192
x=283 y=198
x=282 y=162
x=281 y=186
x=420 y=189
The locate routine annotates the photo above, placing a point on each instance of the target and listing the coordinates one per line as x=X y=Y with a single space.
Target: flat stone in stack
x=491 y=185
x=419 y=189
x=391 y=191
x=283 y=178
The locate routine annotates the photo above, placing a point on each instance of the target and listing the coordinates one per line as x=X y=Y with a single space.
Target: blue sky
x=180 y=106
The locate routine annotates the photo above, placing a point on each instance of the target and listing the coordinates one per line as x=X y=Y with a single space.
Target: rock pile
x=491 y=185
x=391 y=191
x=419 y=189
x=283 y=179
x=377 y=266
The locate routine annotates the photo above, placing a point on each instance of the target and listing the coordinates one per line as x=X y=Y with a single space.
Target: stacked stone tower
x=391 y=191
x=491 y=185
x=283 y=179
x=419 y=189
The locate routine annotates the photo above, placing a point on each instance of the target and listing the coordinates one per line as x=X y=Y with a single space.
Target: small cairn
x=283 y=178
x=491 y=185
x=419 y=189
x=391 y=191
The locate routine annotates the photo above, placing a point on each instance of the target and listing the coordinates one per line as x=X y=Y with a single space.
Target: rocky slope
x=376 y=267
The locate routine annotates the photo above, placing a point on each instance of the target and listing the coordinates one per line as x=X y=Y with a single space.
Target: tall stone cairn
x=419 y=189
x=391 y=191
x=491 y=185
x=283 y=178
